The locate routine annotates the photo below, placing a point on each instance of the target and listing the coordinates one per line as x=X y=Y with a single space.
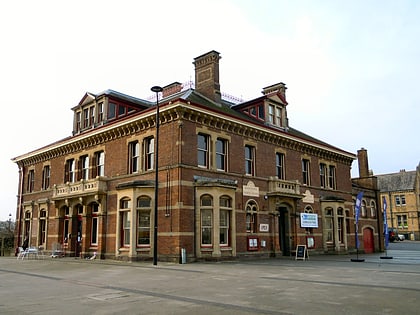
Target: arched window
x=372 y=209
x=363 y=209
x=94 y=208
x=143 y=220
x=42 y=226
x=251 y=216
x=206 y=207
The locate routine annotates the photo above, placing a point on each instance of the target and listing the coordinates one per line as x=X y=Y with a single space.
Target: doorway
x=368 y=242
x=284 y=231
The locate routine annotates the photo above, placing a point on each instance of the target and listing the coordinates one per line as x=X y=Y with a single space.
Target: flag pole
x=357 y=211
x=386 y=233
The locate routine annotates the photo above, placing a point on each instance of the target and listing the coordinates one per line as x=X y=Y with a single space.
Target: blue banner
x=357 y=214
x=386 y=236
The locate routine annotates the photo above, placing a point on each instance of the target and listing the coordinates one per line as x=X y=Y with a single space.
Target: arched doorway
x=368 y=242
x=284 y=238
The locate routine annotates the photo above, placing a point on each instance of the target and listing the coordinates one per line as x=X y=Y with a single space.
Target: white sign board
x=309 y=220
x=263 y=227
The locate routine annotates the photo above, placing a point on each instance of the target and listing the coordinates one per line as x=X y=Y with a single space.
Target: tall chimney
x=362 y=158
x=207 y=75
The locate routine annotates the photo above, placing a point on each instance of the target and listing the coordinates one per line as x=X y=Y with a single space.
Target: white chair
x=22 y=253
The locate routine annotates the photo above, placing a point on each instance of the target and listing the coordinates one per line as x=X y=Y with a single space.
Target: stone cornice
x=182 y=110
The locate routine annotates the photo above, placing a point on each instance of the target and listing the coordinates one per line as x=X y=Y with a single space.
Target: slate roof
x=397 y=181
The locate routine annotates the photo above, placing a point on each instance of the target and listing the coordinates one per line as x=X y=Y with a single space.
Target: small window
x=100 y=112
x=149 y=152
x=280 y=165
x=203 y=150
x=133 y=156
x=122 y=110
x=306 y=172
x=46 y=172
x=112 y=110
x=70 y=171
x=251 y=216
x=261 y=114
x=323 y=174
x=221 y=154
x=249 y=160
x=99 y=167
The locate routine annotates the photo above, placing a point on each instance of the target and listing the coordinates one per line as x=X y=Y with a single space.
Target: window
x=280 y=165
x=271 y=114
x=251 y=216
x=224 y=218
x=78 y=121
x=331 y=177
x=203 y=150
x=340 y=227
x=373 y=209
x=46 y=173
x=363 y=209
x=402 y=221
x=323 y=174
x=70 y=171
x=306 y=172
x=42 y=226
x=31 y=181
x=400 y=200
x=278 y=116
x=221 y=156
x=143 y=217
x=133 y=157
x=122 y=110
x=99 y=167
x=111 y=110
x=249 y=160
x=261 y=112
x=84 y=167
x=95 y=222
x=329 y=225
x=149 y=151
x=100 y=112
x=125 y=216
x=92 y=116
x=206 y=220
x=85 y=117
x=274 y=115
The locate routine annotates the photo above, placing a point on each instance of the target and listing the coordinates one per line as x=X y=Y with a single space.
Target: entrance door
x=79 y=236
x=284 y=231
x=368 y=242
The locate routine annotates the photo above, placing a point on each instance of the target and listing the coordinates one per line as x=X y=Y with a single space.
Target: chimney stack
x=279 y=88
x=207 y=75
x=171 y=89
x=362 y=158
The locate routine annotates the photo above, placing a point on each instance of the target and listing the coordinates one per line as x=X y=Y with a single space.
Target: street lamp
x=10 y=220
x=157 y=90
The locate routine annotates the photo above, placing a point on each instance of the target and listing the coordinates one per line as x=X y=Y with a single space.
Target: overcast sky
x=351 y=67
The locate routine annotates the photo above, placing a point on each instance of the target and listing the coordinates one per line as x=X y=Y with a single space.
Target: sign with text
x=308 y=220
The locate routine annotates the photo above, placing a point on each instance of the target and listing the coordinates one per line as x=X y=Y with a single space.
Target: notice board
x=301 y=252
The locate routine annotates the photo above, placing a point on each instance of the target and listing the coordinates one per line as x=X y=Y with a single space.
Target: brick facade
x=207 y=203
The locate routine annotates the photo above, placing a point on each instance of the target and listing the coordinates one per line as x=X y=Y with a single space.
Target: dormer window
x=274 y=115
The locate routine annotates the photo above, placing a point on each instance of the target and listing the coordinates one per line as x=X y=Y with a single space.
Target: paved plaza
x=320 y=285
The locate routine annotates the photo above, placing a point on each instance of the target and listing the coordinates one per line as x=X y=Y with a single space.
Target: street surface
x=320 y=285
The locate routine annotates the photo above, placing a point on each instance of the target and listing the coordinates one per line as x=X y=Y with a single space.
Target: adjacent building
x=370 y=222
x=234 y=180
x=402 y=192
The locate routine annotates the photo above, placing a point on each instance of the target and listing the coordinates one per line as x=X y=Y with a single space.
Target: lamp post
x=10 y=220
x=156 y=89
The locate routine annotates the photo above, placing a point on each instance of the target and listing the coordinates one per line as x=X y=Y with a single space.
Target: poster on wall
x=309 y=220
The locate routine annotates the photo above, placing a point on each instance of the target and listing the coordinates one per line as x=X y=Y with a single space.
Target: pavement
x=321 y=285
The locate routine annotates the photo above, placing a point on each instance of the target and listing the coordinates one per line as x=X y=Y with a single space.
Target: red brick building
x=235 y=180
